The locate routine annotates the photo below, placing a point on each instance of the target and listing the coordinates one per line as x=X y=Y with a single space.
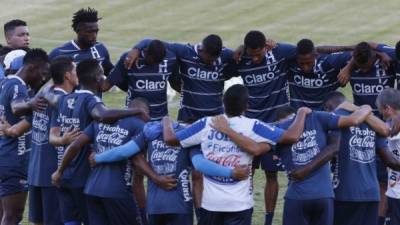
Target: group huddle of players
x=83 y=163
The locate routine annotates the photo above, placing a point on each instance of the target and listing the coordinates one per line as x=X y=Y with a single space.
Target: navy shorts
x=308 y=212
x=354 y=213
x=44 y=205
x=225 y=218
x=171 y=219
x=112 y=211
x=269 y=162
x=381 y=171
x=393 y=212
x=72 y=205
x=12 y=181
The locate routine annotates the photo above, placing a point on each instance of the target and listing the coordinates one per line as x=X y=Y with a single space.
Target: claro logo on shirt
x=259 y=78
x=151 y=85
x=203 y=74
x=310 y=82
x=370 y=89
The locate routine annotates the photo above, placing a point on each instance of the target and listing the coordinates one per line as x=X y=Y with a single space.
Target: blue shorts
x=12 y=181
x=44 y=205
x=112 y=211
x=393 y=212
x=308 y=212
x=225 y=218
x=171 y=219
x=381 y=171
x=354 y=213
x=72 y=205
x=269 y=162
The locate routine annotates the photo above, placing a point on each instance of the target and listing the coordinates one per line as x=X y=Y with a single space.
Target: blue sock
x=143 y=215
x=268 y=218
x=72 y=223
x=381 y=220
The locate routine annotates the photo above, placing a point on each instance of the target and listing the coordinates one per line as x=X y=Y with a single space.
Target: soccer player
x=115 y=204
x=309 y=197
x=16 y=34
x=14 y=103
x=355 y=182
x=147 y=78
x=311 y=76
x=76 y=111
x=218 y=147
x=203 y=68
x=388 y=105
x=85 y=45
x=173 y=161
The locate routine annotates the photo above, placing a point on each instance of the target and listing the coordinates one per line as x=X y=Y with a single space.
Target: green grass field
x=127 y=21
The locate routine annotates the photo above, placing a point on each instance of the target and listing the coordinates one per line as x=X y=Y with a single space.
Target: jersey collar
x=75 y=45
x=60 y=89
x=84 y=91
x=16 y=77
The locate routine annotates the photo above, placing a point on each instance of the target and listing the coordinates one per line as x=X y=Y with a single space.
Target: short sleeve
x=329 y=121
x=90 y=131
x=387 y=49
x=19 y=91
x=287 y=51
x=140 y=140
x=91 y=102
x=267 y=133
x=338 y=60
x=381 y=143
x=119 y=74
x=193 y=134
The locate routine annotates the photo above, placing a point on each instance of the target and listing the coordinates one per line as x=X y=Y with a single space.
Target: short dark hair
x=362 y=53
x=235 y=100
x=254 y=39
x=335 y=97
x=389 y=97
x=398 y=50
x=35 y=56
x=88 y=15
x=12 y=24
x=59 y=66
x=212 y=44
x=156 y=49
x=87 y=70
x=305 y=46
x=284 y=111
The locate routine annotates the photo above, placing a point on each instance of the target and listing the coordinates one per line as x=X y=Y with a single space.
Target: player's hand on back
x=304 y=110
x=56 y=178
x=92 y=160
x=152 y=130
x=4 y=125
x=166 y=182
x=220 y=123
x=241 y=172
x=238 y=53
x=131 y=58
x=270 y=44
x=38 y=103
x=385 y=58
x=71 y=135
x=297 y=175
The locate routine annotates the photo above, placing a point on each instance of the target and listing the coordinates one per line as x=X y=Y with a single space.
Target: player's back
x=13 y=150
x=75 y=112
x=105 y=137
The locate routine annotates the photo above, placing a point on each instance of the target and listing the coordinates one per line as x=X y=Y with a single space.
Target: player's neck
x=23 y=75
x=91 y=89
x=80 y=45
x=66 y=87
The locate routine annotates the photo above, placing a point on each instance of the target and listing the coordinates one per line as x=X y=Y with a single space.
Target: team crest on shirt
x=71 y=103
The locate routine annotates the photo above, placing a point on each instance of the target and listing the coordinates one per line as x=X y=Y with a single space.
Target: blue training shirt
x=111 y=180
x=14 y=152
x=43 y=156
x=312 y=141
x=355 y=172
x=74 y=111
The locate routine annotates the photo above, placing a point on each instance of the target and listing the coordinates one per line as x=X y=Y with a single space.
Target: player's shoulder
x=100 y=45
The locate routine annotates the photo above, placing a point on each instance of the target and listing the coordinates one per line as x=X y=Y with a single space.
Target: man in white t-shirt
x=225 y=200
x=388 y=103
